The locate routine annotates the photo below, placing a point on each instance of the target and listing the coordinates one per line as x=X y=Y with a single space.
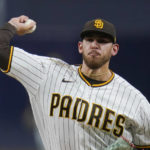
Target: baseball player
x=86 y=107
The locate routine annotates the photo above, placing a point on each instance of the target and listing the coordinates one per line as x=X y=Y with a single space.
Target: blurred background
x=59 y=23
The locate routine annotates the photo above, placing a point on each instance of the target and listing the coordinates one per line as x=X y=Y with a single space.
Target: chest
x=97 y=107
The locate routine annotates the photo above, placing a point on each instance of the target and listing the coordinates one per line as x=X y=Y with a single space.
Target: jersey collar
x=95 y=85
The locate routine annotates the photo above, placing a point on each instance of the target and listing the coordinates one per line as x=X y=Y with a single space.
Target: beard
x=95 y=63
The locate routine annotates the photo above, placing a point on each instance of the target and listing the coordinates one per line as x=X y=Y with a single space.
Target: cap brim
x=86 y=33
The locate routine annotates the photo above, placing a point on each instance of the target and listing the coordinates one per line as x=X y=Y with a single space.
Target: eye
x=89 y=39
x=103 y=41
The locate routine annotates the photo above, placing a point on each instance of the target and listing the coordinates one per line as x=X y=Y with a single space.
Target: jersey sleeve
x=27 y=68
x=141 y=133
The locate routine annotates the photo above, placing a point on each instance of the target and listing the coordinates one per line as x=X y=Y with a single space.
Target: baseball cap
x=100 y=26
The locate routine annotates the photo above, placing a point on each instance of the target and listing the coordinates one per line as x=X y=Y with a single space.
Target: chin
x=95 y=62
x=93 y=65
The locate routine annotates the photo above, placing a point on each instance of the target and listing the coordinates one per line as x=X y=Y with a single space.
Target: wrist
x=10 y=28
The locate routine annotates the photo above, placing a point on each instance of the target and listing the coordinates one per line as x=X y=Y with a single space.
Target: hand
x=19 y=24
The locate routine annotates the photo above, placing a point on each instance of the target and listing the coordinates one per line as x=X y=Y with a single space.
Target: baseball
x=32 y=29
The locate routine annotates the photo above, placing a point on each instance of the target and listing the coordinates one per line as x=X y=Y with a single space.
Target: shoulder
x=62 y=64
x=44 y=61
x=21 y=53
x=120 y=81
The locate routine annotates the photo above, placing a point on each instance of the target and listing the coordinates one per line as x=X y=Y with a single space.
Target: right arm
x=14 y=26
x=25 y=67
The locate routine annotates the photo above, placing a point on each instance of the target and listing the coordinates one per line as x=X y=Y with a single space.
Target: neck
x=101 y=74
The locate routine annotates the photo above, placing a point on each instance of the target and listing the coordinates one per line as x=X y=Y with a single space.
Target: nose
x=94 y=44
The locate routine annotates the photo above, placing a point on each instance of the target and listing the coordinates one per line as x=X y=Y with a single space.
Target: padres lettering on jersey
x=64 y=105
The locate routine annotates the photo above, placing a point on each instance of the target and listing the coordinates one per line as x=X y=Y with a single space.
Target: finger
x=23 y=19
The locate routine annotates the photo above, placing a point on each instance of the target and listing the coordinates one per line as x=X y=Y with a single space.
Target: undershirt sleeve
x=6 y=34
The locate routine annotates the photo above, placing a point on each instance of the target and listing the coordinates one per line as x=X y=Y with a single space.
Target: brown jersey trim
x=95 y=85
x=9 y=62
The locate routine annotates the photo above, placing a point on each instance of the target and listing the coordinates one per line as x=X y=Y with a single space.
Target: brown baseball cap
x=100 y=26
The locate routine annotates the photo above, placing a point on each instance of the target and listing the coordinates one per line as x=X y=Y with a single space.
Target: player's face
x=97 y=50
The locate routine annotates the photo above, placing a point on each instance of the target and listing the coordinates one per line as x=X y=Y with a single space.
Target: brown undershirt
x=6 y=34
x=92 y=81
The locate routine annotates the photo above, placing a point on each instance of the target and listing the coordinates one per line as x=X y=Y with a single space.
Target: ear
x=115 y=49
x=80 y=47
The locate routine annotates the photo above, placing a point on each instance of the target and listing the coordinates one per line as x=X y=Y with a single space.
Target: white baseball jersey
x=72 y=114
